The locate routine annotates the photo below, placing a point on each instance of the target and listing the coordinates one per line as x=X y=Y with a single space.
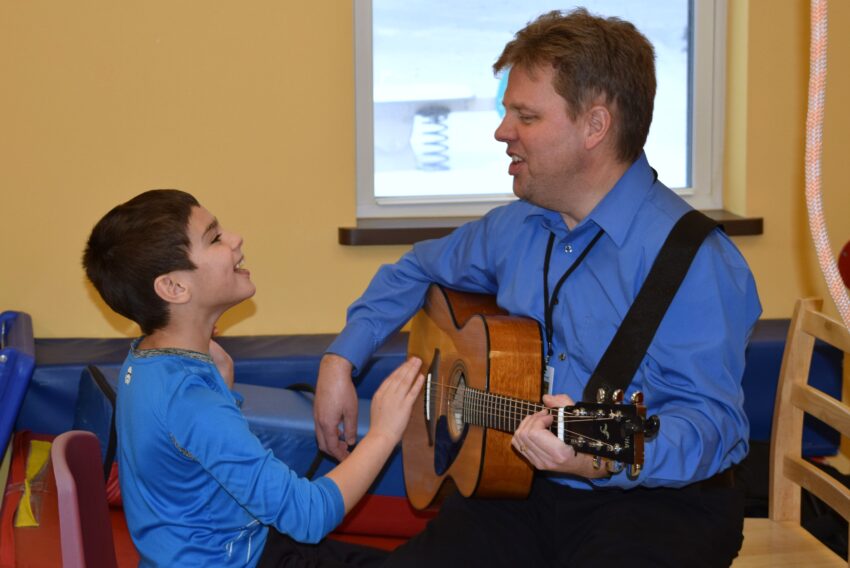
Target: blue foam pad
x=17 y=361
x=764 y=360
x=271 y=360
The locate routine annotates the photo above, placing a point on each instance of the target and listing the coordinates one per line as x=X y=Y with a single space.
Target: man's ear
x=171 y=288
x=598 y=123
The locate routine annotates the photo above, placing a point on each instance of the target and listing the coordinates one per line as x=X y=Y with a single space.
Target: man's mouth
x=516 y=164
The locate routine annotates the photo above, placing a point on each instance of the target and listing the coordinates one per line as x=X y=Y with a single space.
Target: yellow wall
x=766 y=112
x=249 y=106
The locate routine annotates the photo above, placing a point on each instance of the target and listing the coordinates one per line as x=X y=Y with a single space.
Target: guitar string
x=436 y=387
x=516 y=414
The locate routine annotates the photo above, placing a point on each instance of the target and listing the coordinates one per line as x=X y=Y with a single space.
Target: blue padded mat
x=272 y=360
x=764 y=359
x=17 y=361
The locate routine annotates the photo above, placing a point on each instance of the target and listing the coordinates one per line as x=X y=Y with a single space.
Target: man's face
x=219 y=280
x=546 y=147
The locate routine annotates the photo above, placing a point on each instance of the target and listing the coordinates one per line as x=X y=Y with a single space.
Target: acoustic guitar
x=483 y=376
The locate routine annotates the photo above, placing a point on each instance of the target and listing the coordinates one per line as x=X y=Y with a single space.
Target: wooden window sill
x=409 y=231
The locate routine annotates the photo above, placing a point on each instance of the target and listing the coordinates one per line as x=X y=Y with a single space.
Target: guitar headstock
x=610 y=430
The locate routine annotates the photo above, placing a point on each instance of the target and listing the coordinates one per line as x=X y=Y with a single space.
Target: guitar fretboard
x=494 y=411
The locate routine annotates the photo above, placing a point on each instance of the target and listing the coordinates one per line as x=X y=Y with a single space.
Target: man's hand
x=335 y=402
x=534 y=441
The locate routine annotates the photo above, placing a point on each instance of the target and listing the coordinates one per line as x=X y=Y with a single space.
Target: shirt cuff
x=356 y=343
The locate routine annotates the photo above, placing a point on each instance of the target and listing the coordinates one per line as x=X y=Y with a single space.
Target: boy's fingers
x=416 y=387
x=406 y=372
x=413 y=364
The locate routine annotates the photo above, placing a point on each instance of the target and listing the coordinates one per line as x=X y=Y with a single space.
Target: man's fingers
x=349 y=427
x=325 y=437
x=557 y=400
x=329 y=442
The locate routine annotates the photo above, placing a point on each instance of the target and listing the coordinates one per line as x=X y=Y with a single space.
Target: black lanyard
x=550 y=303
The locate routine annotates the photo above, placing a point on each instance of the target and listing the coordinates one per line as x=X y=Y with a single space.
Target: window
x=427 y=102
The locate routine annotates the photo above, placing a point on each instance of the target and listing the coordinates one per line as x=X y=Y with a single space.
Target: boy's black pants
x=283 y=552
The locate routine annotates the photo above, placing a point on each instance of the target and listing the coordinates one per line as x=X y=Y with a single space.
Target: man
x=591 y=220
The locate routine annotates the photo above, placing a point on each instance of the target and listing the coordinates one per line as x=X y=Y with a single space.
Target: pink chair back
x=84 y=523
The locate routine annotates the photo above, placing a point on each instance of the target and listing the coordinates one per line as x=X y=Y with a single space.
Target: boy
x=198 y=488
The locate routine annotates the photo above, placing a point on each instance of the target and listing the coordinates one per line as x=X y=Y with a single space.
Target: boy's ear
x=171 y=288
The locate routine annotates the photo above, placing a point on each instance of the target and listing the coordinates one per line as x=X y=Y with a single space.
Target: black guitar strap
x=628 y=348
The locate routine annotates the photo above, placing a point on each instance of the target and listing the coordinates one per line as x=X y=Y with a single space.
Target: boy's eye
x=217 y=238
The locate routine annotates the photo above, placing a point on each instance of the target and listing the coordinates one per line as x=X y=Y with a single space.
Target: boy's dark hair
x=592 y=57
x=135 y=243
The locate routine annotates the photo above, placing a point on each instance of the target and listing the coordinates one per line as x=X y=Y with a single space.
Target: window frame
x=707 y=109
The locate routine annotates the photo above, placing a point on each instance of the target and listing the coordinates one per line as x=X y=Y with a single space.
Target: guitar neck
x=598 y=429
x=495 y=411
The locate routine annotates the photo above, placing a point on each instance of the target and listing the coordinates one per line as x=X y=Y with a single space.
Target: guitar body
x=465 y=340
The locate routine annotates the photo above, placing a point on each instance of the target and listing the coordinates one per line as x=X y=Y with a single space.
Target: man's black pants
x=692 y=527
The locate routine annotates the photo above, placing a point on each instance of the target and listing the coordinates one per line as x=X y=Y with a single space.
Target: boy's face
x=219 y=281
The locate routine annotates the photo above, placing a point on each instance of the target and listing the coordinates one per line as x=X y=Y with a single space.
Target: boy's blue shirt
x=198 y=487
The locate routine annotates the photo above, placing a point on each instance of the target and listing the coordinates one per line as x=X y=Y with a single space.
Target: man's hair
x=592 y=57
x=135 y=243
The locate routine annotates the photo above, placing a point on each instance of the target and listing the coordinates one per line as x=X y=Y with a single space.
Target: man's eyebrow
x=520 y=107
x=212 y=226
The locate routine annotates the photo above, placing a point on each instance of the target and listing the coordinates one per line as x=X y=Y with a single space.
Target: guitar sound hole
x=456 y=404
x=450 y=429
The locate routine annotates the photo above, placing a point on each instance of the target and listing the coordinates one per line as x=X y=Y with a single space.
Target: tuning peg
x=637 y=397
x=614 y=466
x=597 y=462
x=634 y=470
x=601 y=395
x=617 y=396
x=653 y=423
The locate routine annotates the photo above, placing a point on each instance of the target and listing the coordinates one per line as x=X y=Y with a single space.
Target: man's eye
x=526 y=118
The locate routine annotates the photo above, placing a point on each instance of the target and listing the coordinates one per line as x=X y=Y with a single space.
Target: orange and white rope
x=814 y=148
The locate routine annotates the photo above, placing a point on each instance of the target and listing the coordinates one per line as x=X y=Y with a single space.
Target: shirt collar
x=617 y=210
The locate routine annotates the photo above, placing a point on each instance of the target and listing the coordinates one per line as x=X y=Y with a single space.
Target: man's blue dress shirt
x=691 y=375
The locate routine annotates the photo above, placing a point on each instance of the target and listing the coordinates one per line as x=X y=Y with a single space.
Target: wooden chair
x=780 y=540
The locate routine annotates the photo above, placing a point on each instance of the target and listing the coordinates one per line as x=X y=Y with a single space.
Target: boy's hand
x=223 y=362
x=392 y=402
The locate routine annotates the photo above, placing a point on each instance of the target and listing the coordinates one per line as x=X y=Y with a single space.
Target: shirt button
x=562 y=356
x=568 y=248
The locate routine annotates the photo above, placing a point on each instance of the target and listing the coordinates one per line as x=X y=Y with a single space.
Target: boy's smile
x=220 y=280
